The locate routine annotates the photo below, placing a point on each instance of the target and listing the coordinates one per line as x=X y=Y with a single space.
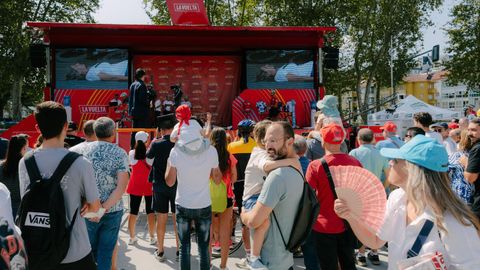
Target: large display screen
x=81 y=68
x=280 y=69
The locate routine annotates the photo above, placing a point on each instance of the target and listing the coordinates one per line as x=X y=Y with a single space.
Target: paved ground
x=141 y=256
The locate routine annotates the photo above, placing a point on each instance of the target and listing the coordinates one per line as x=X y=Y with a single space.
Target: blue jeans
x=203 y=219
x=103 y=238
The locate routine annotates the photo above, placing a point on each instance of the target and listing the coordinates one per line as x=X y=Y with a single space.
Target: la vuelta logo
x=94 y=109
x=186 y=7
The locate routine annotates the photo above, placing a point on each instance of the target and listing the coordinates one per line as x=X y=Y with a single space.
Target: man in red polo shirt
x=334 y=243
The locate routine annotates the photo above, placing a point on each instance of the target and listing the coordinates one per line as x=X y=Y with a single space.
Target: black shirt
x=474 y=167
x=160 y=151
x=73 y=140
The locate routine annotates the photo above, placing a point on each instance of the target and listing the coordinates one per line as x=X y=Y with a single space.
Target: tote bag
x=218 y=194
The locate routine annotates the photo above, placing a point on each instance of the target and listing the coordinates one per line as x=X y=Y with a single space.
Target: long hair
x=140 y=150
x=14 y=154
x=218 y=138
x=427 y=188
x=465 y=143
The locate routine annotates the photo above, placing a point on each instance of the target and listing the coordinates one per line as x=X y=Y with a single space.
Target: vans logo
x=36 y=219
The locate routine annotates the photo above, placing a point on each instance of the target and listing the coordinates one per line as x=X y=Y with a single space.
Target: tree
x=219 y=12
x=19 y=79
x=464 y=46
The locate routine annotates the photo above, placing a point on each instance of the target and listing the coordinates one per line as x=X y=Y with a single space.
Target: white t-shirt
x=193 y=176
x=254 y=174
x=6 y=205
x=450 y=145
x=132 y=161
x=168 y=105
x=158 y=105
x=188 y=133
x=294 y=69
x=462 y=242
x=118 y=69
x=434 y=135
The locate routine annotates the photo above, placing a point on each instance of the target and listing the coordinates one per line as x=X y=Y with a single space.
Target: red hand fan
x=363 y=192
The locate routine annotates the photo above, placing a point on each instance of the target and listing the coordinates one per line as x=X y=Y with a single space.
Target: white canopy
x=403 y=114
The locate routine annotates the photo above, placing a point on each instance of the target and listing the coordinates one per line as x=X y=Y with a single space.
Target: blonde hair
x=259 y=132
x=427 y=188
x=465 y=143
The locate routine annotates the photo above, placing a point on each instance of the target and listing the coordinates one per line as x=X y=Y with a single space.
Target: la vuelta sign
x=187 y=12
x=94 y=109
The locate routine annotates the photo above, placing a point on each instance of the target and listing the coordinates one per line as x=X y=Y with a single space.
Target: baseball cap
x=444 y=125
x=452 y=125
x=422 y=151
x=434 y=125
x=389 y=126
x=333 y=133
x=141 y=136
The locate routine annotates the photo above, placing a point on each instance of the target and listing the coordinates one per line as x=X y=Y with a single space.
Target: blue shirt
x=304 y=161
x=393 y=142
x=108 y=160
x=371 y=159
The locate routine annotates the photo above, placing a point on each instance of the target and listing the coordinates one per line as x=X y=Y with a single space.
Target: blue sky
x=133 y=12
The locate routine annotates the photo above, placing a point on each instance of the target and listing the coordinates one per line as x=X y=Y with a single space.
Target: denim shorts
x=250 y=202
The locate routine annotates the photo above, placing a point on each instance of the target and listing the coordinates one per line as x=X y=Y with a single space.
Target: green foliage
x=464 y=47
x=19 y=79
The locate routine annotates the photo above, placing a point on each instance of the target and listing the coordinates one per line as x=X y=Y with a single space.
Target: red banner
x=210 y=82
x=187 y=12
x=254 y=104
x=89 y=104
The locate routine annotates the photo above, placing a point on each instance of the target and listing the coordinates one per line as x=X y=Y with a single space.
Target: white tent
x=403 y=114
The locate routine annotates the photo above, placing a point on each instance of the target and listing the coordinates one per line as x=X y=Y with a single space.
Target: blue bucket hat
x=329 y=106
x=422 y=151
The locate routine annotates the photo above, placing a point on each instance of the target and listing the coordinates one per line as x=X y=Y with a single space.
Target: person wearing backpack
x=334 y=242
x=280 y=196
x=56 y=237
x=110 y=163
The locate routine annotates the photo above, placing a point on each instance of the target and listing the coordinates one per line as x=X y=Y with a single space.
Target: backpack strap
x=32 y=168
x=329 y=176
x=60 y=171
x=63 y=166
x=421 y=238
x=273 y=212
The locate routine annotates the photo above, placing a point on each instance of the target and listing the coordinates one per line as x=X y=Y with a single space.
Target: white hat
x=141 y=136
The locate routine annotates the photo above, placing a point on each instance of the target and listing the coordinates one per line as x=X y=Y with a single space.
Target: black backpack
x=42 y=216
x=307 y=213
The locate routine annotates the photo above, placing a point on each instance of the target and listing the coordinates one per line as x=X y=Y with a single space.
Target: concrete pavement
x=140 y=256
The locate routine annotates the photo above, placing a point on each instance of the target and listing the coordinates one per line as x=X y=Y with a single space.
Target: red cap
x=453 y=125
x=333 y=133
x=389 y=127
x=183 y=115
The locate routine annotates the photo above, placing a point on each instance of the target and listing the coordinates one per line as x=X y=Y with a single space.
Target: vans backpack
x=307 y=213
x=42 y=216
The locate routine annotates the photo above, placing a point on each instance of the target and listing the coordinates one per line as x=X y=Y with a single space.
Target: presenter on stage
x=139 y=103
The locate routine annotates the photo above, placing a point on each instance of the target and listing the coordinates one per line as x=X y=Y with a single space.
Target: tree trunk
x=16 y=95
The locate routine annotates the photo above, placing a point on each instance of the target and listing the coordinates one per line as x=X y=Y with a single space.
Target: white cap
x=141 y=136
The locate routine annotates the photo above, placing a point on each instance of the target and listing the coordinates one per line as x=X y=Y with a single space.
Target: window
x=451 y=105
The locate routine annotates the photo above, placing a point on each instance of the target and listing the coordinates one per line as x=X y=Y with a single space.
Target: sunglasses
x=408 y=136
x=438 y=130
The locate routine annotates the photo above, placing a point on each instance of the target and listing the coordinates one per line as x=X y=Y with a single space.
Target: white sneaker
x=243 y=264
x=159 y=256
x=256 y=265
x=153 y=241
x=132 y=241
x=225 y=268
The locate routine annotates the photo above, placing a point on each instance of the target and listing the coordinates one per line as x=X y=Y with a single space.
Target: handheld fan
x=363 y=192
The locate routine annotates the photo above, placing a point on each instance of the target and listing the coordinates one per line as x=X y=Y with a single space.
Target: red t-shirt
x=327 y=220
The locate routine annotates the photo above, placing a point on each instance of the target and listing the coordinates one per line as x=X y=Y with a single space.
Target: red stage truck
x=232 y=72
